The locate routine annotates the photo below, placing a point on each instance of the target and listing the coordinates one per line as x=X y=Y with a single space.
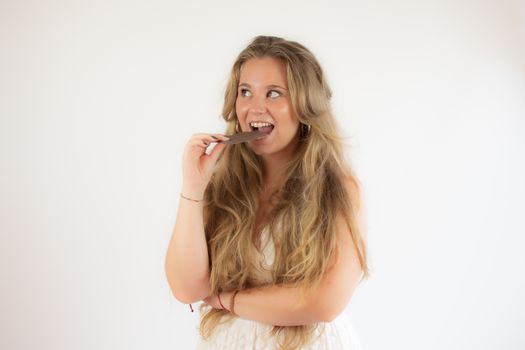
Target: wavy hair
x=302 y=221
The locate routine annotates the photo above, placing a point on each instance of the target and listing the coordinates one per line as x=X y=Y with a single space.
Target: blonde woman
x=269 y=232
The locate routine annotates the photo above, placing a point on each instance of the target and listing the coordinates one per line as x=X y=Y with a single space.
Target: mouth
x=263 y=127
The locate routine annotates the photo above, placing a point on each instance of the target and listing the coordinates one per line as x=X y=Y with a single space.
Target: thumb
x=216 y=152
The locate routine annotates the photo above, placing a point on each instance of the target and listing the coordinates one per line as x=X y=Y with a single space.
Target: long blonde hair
x=302 y=221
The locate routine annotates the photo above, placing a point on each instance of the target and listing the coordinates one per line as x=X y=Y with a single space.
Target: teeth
x=260 y=124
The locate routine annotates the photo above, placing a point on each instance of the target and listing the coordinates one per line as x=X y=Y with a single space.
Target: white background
x=97 y=99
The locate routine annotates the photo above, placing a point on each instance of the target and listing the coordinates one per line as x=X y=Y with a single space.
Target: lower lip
x=262 y=138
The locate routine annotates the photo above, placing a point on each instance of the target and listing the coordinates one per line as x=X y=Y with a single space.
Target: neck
x=273 y=174
x=276 y=164
x=274 y=169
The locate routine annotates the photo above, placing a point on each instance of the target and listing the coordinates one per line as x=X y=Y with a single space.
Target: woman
x=269 y=232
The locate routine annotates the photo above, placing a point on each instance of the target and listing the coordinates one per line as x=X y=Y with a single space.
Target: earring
x=305 y=131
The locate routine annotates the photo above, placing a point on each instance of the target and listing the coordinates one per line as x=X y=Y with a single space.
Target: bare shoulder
x=355 y=191
x=353 y=187
x=345 y=271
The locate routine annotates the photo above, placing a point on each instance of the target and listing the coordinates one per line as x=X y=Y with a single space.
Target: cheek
x=284 y=110
x=240 y=108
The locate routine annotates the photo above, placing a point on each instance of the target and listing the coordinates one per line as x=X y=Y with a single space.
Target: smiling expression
x=262 y=96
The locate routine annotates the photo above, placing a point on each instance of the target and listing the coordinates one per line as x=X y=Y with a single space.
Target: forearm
x=276 y=305
x=186 y=264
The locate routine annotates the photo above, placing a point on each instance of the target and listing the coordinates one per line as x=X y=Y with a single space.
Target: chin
x=259 y=150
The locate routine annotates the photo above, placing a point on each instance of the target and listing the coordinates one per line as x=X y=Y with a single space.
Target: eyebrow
x=269 y=86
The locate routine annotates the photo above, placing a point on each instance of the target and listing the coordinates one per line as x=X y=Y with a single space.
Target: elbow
x=189 y=294
x=317 y=312
x=185 y=298
x=330 y=310
x=329 y=314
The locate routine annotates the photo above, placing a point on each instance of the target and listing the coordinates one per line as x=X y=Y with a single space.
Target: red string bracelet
x=220 y=302
x=232 y=301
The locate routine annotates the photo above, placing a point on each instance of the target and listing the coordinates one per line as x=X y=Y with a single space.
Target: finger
x=209 y=137
x=217 y=137
x=220 y=137
x=204 y=141
x=217 y=150
x=200 y=142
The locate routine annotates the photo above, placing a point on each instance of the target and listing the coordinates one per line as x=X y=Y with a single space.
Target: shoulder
x=345 y=270
x=353 y=187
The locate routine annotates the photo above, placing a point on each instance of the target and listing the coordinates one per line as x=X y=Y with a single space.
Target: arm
x=276 y=305
x=186 y=263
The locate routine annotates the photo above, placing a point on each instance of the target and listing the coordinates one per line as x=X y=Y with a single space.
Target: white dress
x=246 y=334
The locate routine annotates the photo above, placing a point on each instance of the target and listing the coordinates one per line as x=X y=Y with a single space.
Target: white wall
x=97 y=99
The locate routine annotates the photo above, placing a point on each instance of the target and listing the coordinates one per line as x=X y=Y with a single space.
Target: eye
x=277 y=92
x=243 y=91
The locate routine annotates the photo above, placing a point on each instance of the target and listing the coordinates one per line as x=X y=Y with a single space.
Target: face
x=262 y=96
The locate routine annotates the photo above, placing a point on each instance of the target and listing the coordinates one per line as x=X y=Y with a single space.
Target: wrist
x=221 y=299
x=191 y=199
x=193 y=193
x=232 y=302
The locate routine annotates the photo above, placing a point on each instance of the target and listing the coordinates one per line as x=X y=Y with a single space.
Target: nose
x=258 y=110
x=258 y=106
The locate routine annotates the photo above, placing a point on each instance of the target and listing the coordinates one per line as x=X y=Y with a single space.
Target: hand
x=197 y=165
x=213 y=300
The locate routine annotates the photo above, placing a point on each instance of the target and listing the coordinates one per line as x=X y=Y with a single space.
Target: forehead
x=263 y=71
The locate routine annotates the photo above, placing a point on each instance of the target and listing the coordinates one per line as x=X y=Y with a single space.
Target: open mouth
x=262 y=127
